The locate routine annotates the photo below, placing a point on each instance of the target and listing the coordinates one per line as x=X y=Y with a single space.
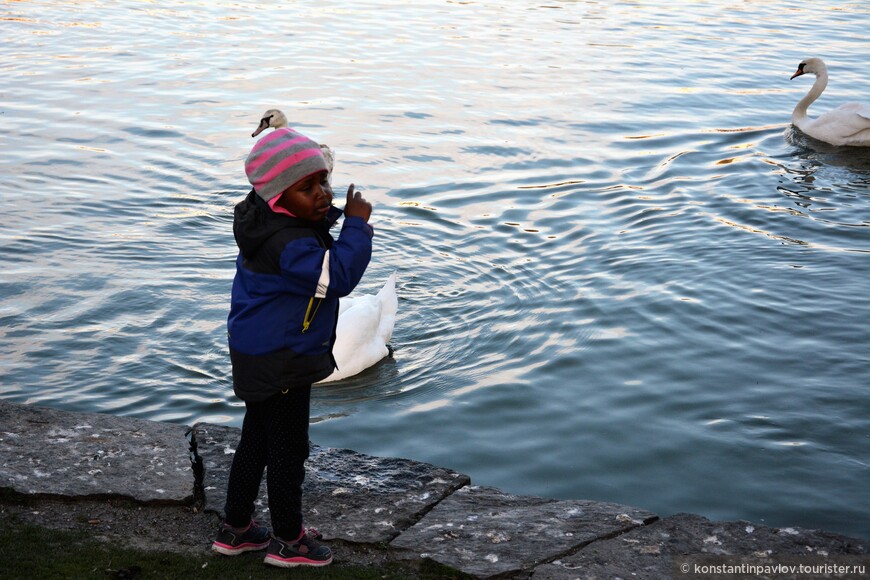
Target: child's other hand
x=356 y=205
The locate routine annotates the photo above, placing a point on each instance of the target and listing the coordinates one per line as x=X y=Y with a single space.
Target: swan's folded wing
x=861 y=109
x=841 y=126
x=389 y=307
x=357 y=346
x=344 y=303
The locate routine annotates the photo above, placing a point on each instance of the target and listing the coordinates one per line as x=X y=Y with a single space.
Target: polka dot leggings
x=274 y=436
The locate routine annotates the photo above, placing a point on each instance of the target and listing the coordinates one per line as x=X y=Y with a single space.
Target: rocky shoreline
x=123 y=478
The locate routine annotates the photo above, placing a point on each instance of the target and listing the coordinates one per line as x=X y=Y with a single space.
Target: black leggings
x=274 y=435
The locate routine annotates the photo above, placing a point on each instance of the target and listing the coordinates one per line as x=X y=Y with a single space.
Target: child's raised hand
x=356 y=205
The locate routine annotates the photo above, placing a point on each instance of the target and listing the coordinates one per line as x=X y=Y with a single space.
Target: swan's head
x=272 y=118
x=814 y=66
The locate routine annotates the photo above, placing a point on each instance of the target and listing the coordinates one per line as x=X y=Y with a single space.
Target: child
x=289 y=276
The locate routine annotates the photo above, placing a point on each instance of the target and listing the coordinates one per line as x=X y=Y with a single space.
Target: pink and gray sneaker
x=303 y=551
x=233 y=541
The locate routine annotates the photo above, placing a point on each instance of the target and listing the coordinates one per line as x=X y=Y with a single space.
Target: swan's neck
x=800 y=111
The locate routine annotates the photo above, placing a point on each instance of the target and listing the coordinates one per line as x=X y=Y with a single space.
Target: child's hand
x=356 y=205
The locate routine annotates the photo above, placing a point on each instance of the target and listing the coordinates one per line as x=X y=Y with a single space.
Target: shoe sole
x=294 y=562
x=227 y=550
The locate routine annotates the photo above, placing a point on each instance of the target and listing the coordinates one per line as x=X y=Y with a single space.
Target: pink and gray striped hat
x=280 y=159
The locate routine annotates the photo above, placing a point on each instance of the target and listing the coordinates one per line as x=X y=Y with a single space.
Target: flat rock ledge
x=417 y=509
x=45 y=452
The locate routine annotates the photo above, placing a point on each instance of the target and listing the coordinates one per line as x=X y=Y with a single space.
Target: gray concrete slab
x=486 y=532
x=50 y=452
x=660 y=549
x=347 y=495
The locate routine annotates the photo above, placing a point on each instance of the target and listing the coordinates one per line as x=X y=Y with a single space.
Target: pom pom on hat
x=280 y=159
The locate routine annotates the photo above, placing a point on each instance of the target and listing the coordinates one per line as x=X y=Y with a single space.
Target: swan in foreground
x=848 y=124
x=276 y=119
x=365 y=326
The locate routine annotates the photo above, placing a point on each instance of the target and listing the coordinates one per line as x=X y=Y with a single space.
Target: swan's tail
x=389 y=306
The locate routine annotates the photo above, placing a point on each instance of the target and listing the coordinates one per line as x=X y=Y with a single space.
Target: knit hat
x=280 y=159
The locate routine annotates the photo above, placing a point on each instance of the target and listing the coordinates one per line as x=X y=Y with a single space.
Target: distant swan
x=848 y=124
x=276 y=119
x=365 y=326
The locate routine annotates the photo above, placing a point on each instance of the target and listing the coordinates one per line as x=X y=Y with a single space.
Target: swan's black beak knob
x=800 y=70
x=264 y=124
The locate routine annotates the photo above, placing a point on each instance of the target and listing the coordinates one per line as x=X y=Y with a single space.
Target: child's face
x=308 y=199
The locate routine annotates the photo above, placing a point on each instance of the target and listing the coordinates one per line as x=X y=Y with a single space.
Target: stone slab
x=658 y=550
x=347 y=495
x=49 y=452
x=486 y=532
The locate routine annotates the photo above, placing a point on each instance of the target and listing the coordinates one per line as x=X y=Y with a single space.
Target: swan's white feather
x=365 y=326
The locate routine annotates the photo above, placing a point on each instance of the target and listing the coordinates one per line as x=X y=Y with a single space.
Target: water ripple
x=613 y=252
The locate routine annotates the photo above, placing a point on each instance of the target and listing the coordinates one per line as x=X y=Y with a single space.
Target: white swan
x=276 y=119
x=365 y=326
x=848 y=124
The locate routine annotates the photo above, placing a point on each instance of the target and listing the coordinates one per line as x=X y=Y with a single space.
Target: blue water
x=622 y=275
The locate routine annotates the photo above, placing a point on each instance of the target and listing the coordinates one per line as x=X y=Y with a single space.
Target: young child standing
x=290 y=273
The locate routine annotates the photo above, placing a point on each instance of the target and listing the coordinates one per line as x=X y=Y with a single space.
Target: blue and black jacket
x=290 y=274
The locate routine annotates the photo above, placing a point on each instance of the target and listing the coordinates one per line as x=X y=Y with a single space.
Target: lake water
x=622 y=276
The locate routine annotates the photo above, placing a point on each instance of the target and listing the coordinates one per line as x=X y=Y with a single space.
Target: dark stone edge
x=11 y=494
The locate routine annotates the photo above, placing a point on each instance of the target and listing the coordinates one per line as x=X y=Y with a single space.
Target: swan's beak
x=264 y=124
x=799 y=72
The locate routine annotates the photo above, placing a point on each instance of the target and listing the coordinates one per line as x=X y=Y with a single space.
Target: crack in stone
x=580 y=547
x=198 y=467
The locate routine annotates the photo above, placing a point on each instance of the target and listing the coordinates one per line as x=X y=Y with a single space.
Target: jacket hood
x=254 y=222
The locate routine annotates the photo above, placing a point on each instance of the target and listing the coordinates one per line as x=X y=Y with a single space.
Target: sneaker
x=304 y=551
x=231 y=542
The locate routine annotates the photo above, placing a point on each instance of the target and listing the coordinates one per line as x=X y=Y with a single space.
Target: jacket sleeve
x=309 y=269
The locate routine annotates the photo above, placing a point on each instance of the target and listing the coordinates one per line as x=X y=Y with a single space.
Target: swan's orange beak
x=799 y=72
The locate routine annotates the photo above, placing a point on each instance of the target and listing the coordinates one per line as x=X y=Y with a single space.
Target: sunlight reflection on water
x=620 y=271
